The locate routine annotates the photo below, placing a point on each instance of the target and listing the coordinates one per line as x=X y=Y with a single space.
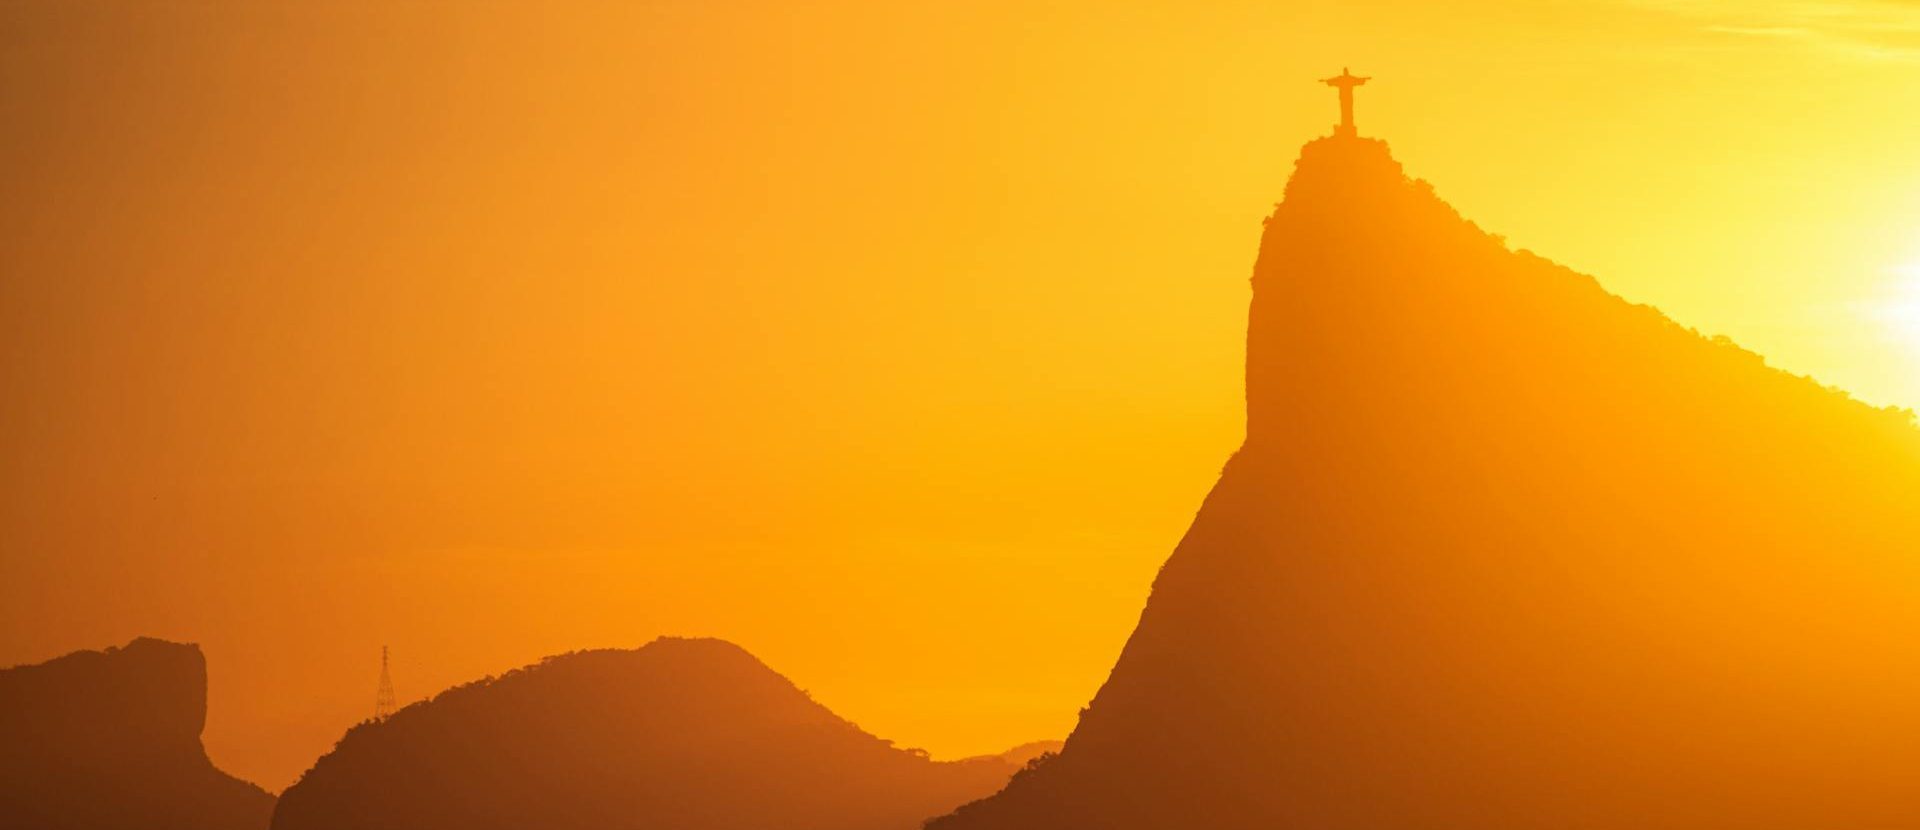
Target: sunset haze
x=896 y=343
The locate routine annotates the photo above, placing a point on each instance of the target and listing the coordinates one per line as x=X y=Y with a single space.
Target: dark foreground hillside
x=682 y=733
x=104 y=740
x=1504 y=551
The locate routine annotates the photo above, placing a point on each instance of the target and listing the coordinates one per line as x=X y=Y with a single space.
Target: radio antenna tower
x=383 y=701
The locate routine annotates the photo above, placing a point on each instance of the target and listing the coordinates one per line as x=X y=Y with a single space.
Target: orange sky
x=895 y=342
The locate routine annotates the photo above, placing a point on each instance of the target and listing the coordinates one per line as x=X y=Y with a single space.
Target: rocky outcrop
x=98 y=740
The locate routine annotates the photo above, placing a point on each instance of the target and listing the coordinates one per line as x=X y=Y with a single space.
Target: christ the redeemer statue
x=1345 y=82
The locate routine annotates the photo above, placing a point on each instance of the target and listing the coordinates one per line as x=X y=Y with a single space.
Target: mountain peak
x=1338 y=158
x=678 y=733
x=111 y=738
x=152 y=688
x=1502 y=549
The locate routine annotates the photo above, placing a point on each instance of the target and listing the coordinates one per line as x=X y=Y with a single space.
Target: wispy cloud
x=1762 y=31
x=1876 y=30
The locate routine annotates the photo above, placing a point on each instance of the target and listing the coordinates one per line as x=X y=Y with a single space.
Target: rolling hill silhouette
x=1025 y=754
x=681 y=733
x=1502 y=550
x=98 y=740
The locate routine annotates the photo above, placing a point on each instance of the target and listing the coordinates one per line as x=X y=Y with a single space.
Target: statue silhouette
x=1345 y=82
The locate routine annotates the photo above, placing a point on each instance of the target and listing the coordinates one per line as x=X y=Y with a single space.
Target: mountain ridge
x=684 y=732
x=1502 y=549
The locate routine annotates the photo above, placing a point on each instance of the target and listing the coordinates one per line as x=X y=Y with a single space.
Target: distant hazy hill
x=98 y=740
x=1024 y=754
x=1505 y=551
x=682 y=734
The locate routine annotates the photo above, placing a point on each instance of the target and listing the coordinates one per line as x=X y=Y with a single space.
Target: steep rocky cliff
x=98 y=740
x=1502 y=550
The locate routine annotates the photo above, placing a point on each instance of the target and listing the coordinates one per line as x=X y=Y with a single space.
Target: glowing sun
x=1901 y=310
